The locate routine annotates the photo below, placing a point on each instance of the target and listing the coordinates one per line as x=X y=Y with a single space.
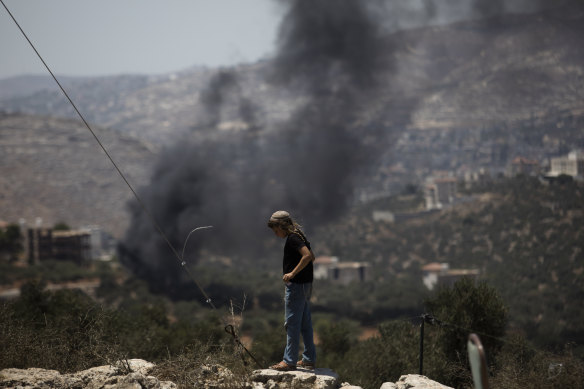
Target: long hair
x=283 y=220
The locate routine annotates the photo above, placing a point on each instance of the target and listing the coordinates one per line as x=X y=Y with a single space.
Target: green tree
x=468 y=307
x=10 y=242
x=383 y=358
x=61 y=226
x=334 y=342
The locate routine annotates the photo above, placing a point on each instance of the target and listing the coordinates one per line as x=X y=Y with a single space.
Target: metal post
x=422 y=345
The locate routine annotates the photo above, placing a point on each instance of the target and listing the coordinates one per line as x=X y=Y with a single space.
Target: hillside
x=462 y=97
x=464 y=76
x=55 y=170
x=508 y=69
x=459 y=98
x=524 y=236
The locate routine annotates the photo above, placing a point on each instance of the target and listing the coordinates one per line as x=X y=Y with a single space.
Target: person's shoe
x=305 y=365
x=283 y=366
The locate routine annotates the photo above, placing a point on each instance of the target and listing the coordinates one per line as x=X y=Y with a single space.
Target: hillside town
x=440 y=191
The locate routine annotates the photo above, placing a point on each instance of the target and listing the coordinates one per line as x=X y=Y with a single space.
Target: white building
x=571 y=165
x=342 y=272
x=321 y=266
x=439 y=192
x=435 y=273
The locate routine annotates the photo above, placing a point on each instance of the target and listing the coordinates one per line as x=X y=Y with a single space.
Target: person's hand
x=287 y=277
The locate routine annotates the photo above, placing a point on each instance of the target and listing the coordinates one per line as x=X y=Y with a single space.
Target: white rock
x=326 y=378
x=30 y=378
x=415 y=381
x=133 y=373
x=313 y=379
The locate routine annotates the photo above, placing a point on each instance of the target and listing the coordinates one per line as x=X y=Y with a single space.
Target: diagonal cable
x=228 y=328
x=144 y=207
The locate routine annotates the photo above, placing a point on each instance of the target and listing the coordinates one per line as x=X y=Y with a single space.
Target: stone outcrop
x=414 y=381
x=136 y=374
x=313 y=379
x=131 y=374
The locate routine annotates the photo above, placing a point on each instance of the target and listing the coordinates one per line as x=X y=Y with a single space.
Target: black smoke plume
x=333 y=54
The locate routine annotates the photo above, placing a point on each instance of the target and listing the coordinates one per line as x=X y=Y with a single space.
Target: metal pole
x=422 y=345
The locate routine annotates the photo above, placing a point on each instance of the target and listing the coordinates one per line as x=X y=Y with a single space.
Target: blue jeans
x=298 y=321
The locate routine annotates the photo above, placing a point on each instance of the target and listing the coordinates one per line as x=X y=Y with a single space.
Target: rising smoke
x=334 y=54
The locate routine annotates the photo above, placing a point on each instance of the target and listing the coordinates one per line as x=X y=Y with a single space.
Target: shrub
x=521 y=366
x=464 y=308
x=381 y=359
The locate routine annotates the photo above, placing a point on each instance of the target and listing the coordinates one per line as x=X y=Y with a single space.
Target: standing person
x=298 y=274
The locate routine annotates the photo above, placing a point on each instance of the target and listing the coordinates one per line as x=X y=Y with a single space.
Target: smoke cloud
x=334 y=54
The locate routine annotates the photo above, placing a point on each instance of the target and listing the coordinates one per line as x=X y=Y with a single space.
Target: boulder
x=414 y=381
x=299 y=379
x=30 y=378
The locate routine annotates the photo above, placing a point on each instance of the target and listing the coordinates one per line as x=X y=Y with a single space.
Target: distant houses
x=329 y=268
x=571 y=165
x=433 y=274
x=439 y=274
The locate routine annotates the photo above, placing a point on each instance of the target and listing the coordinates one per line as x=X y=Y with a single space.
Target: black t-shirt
x=292 y=257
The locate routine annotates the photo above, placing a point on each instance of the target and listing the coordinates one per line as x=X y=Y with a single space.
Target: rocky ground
x=136 y=373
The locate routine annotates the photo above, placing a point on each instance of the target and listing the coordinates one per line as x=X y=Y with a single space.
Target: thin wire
x=228 y=328
x=146 y=210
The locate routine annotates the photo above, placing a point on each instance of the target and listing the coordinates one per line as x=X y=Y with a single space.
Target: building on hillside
x=439 y=274
x=341 y=272
x=439 y=192
x=321 y=266
x=39 y=244
x=472 y=177
x=73 y=245
x=348 y=272
x=570 y=165
x=522 y=165
x=46 y=244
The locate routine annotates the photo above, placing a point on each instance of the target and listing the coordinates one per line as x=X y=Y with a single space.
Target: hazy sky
x=105 y=37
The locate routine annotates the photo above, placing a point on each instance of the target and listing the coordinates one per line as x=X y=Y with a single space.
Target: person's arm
x=307 y=257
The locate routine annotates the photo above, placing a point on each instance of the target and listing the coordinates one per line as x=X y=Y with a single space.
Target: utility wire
x=228 y=327
x=144 y=207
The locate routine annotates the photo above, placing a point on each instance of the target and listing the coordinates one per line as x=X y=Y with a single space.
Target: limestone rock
x=135 y=374
x=130 y=374
x=30 y=378
x=309 y=379
x=346 y=385
x=414 y=381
